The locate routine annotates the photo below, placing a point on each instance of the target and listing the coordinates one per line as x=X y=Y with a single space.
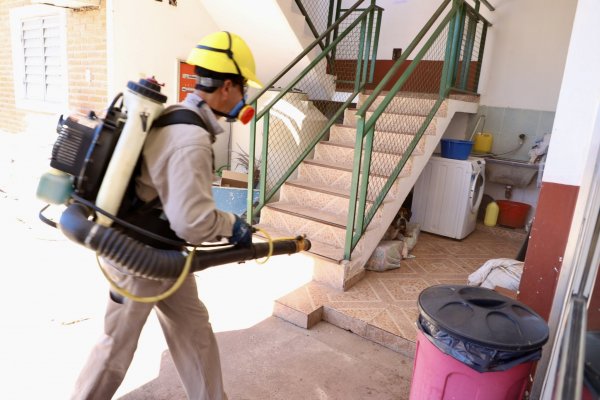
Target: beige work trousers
x=185 y=324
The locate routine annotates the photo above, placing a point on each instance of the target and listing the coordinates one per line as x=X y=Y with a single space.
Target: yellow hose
x=270 y=240
x=186 y=269
x=270 y=246
x=152 y=299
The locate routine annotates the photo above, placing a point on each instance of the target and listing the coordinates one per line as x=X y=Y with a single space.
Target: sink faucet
x=508 y=191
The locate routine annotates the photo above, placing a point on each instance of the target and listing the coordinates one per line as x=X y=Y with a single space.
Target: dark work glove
x=241 y=234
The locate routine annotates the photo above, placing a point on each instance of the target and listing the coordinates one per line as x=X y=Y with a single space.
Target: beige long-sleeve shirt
x=177 y=167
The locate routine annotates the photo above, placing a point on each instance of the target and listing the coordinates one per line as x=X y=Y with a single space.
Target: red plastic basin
x=512 y=213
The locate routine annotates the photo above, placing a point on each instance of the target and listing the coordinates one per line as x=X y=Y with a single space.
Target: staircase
x=316 y=201
x=315 y=154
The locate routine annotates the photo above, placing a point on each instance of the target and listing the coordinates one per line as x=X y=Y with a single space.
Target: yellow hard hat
x=227 y=53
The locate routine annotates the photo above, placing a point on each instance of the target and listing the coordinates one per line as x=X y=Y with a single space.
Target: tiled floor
x=383 y=306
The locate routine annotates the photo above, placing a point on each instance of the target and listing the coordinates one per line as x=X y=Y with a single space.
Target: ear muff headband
x=227 y=51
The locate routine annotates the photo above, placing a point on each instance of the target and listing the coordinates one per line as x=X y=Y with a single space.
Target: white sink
x=517 y=173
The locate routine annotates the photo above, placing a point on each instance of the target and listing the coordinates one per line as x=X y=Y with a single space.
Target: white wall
x=525 y=50
x=135 y=26
x=574 y=143
x=264 y=27
x=401 y=21
x=527 y=53
x=148 y=37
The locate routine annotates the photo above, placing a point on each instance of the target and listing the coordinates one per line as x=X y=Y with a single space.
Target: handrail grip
x=295 y=61
x=363 y=109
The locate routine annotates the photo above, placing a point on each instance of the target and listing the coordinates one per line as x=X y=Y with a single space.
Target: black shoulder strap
x=179 y=116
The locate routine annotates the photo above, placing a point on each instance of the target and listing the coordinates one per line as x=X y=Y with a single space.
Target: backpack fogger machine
x=91 y=171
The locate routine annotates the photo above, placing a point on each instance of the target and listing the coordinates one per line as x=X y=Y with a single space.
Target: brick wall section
x=11 y=119
x=86 y=49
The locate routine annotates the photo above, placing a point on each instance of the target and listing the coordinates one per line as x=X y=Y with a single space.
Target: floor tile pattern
x=383 y=306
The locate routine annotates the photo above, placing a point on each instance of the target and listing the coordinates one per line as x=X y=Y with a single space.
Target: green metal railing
x=448 y=58
x=319 y=16
x=295 y=109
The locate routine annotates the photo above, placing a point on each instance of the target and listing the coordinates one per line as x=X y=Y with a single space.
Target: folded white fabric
x=503 y=272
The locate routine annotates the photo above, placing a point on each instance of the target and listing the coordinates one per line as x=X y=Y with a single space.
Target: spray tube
x=143 y=102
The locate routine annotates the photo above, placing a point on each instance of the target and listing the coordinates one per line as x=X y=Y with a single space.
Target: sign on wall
x=186 y=80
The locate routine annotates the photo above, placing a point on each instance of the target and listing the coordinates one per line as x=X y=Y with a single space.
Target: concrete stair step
x=317 y=248
x=320 y=197
x=386 y=323
x=408 y=103
x=392 y=122
x=336 y=177
x=315 y=224
x=382 y=163
x=322 y=188
x=392 y=142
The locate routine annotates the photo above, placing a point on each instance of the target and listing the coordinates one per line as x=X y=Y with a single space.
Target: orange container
x=512 y=213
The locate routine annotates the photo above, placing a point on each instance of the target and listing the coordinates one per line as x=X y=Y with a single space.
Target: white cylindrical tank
x=143 y=103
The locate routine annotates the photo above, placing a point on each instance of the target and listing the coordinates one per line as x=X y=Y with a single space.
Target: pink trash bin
x=474 y=344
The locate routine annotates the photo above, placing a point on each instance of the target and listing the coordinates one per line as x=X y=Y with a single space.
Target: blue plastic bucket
x=233 y=199
x=456 y=149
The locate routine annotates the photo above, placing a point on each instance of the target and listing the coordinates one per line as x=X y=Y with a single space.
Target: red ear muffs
x=246 y=114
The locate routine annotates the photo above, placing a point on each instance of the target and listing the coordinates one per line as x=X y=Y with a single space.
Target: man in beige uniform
x=177 y=167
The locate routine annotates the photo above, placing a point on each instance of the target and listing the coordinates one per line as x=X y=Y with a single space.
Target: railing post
x=251 y=155
x=264 y=156
x=480 y=56
x=364 y=185
x=262 y=181
x=468 y=50
x=359 y=56
x=375 y=44
x=330 y=19
x=358 y=146
x=449 y=55
x=367 y=51
x=338 y=10
x=460 y=26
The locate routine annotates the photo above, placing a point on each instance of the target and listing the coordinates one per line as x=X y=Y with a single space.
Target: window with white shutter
x=39 y=58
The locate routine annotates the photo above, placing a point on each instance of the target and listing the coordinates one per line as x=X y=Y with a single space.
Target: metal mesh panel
x=302 y=116
x=318 y=11
x=404 y=116
x=346 y=54
x=469 y=63
x=344 y=57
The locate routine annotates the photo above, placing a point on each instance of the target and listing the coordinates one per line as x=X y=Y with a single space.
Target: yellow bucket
x=482 y=142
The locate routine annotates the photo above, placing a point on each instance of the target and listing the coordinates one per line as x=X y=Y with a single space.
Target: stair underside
x=317 y=202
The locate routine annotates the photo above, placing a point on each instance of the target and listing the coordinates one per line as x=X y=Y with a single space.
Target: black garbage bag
x=591 y=372
x=481 y=328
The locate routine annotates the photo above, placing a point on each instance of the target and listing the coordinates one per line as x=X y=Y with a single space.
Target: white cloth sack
x=387 y=255
x=503 y=272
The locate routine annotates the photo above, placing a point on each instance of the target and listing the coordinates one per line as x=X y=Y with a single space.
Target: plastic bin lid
x=592 y=361
x=483 y=316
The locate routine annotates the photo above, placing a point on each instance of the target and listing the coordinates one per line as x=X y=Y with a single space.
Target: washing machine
x=447 y=196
